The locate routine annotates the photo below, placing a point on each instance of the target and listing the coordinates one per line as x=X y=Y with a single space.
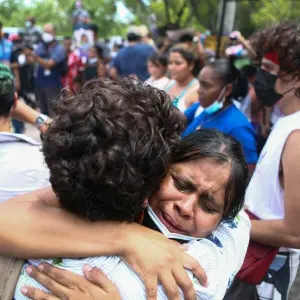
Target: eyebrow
x=204 y=193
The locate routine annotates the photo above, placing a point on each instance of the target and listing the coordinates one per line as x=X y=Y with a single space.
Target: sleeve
x=59 y=54
x=38 y=50
x=221 y=256
x=247 y=138
x=14 y=57
x=116 y=62
x=190 y=112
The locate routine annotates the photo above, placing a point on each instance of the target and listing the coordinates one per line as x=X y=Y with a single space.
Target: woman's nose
x=186 y=206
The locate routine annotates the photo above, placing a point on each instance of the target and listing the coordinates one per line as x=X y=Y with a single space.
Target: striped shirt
x=221 y=255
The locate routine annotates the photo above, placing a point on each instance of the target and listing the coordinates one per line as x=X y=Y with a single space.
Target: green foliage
x=200 y=14
x=15 y=12
x=275 y=11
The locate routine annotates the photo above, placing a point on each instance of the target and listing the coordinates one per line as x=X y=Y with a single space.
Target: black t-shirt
x=26 y=71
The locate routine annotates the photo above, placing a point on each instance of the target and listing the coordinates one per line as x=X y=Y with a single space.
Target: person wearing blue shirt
x=133 y=59
x=50 y=57
x=6 y=48
x=220 y=83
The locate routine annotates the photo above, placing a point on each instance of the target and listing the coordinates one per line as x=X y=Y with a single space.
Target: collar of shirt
x=14 y=137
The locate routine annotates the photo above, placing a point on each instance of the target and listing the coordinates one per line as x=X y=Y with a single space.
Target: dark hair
x=189 y=56
x=67 y=38
x=186 y=38
x=159 y=59
x=283 y=39
x=221 y=148
x=249 y=70
x=227 y=73
x=7 y=101
x=109 y=147
x=132 y=37
x=99 y=50
x=94 y=28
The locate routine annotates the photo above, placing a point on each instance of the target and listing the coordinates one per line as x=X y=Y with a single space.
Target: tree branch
x=181 y=11
x=167 y=11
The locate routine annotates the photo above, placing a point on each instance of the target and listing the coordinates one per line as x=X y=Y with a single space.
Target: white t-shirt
x=265 y=195
x=22 y=166
x=221 y=255
x=160 y=83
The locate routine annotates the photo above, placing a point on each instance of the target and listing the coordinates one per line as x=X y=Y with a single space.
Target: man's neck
x=5 y=125
x=133 y=43
x=291 y=107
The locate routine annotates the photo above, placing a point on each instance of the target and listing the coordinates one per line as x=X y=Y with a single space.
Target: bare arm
x=45 y=63
x=113 y=73
x=35 y=218
x=286 y=232
x=25 y=113
x=33 y=225
x=101 y=69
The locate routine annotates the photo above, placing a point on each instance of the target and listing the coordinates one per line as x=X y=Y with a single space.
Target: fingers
x=192 y=264
x=46 y=281
x=36 y=294
x=184 y=282
x=170 y=286
x=151 y=287
x=60 y=276
x=97 y=277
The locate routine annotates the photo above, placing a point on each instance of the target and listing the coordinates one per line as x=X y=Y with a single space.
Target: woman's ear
x=192 y=66
x=229 y=90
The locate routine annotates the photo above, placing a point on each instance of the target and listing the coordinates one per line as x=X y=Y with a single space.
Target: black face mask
x=264 y=86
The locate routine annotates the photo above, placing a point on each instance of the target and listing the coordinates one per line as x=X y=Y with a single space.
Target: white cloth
x=160 y=83
x=244 y=106
x=22 y=166
x=221 y=255
x=264 y=195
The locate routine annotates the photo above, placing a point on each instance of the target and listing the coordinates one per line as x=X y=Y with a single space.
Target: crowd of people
x=163 y=172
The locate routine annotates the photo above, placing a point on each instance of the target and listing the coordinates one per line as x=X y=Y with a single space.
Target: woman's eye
x=206 y=208
x=209 y=211
x=181 y=186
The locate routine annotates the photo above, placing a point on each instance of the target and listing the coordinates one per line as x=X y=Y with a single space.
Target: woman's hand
x=158 y=259
x=67 y=285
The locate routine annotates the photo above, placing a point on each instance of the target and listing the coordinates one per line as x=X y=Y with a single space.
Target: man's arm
x=34 y=219
x=25 y=113
x=286 y=232
x=30 y=228
x=57 y=55
x=45 y=63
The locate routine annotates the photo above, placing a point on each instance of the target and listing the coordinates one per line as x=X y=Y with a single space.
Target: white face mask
x=22 y=59
x=164 y=229
x=93 y=60
x=47 y=37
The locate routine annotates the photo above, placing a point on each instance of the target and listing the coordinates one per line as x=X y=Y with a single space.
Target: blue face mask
x=216 y=105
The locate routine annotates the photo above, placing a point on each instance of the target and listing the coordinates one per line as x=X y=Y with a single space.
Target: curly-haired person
x=273 y=192
x=111 y=147
x=110 y=144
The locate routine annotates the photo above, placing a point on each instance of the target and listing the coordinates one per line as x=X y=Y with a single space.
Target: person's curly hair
x=284 y=39
x=109 y=146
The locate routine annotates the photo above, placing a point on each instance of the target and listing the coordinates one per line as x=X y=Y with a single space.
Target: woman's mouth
x=170 y=224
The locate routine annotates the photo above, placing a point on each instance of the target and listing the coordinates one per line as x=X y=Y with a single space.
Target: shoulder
x=291 y=150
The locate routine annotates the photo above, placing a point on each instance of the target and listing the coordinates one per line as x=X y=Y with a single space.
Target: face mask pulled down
x=217 y=104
